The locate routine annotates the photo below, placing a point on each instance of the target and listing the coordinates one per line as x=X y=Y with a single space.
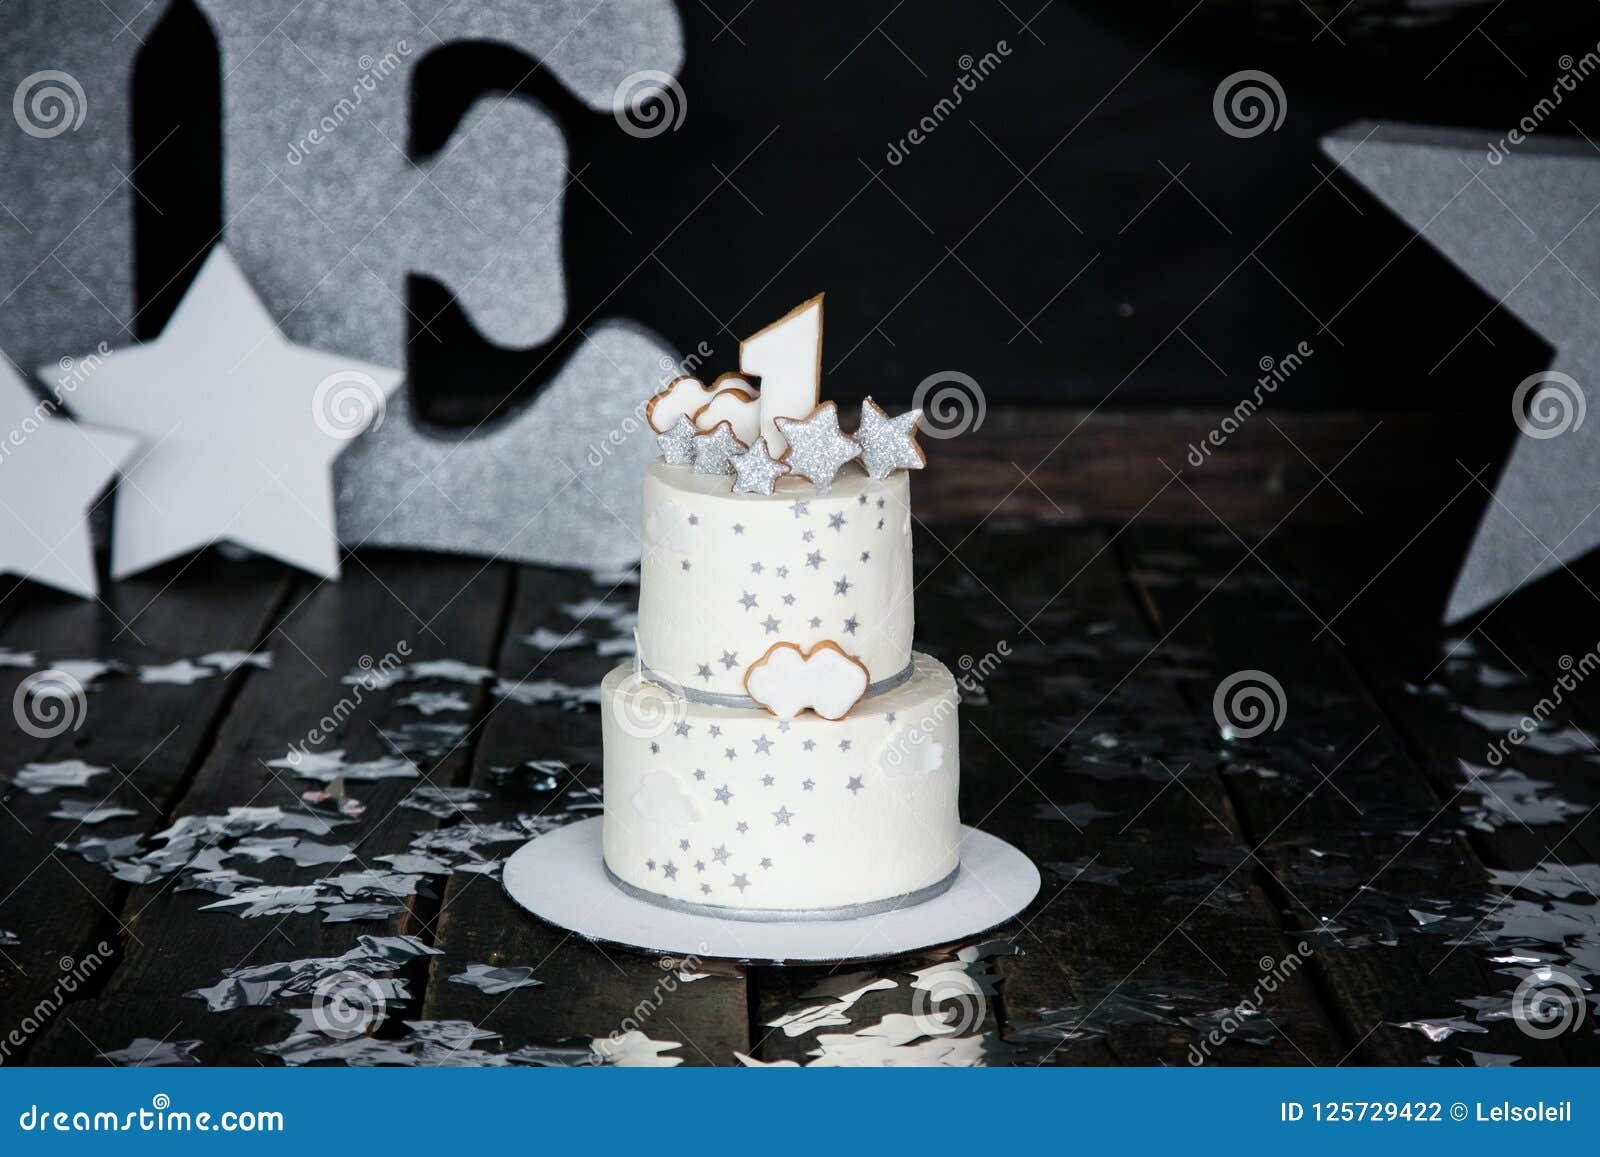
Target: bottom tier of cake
x=735 y=812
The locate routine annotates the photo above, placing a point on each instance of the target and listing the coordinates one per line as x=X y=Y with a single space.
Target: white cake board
x=560 y=877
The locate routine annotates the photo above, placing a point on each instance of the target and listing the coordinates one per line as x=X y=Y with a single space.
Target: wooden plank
x=438 y=608
x=1355 y=838
x=1103 y=951
x=1404 y=654
x=1109 y=466
x=152 y=736
x=590 y=990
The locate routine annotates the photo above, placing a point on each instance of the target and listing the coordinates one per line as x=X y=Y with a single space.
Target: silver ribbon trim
x=787 y=915
x=744 y=702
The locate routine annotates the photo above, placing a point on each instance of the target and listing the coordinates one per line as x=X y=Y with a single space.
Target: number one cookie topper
x=787 y=357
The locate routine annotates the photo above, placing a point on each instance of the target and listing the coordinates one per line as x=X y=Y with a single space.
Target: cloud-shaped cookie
x=685 y=396
x=662 y=799
x=734 y=404
x=787 y=680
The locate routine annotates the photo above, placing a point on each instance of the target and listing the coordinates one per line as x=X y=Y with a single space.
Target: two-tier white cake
x=777 y=750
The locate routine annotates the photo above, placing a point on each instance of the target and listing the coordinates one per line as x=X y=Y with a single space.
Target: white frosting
x=725 y=576
x=760 y=786
x=787 y=682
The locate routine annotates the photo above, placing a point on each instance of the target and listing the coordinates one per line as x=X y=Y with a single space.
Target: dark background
x=1080 y=230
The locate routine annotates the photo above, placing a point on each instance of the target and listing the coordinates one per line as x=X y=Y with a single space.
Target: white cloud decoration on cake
x=787 y=680
x=662 y=798
x=911 y=752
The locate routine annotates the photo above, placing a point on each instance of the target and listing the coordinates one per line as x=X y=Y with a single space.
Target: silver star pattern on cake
x=888 y=444
x=756 y=471
x=677 y=444
x=714 y=450
x=818 y=449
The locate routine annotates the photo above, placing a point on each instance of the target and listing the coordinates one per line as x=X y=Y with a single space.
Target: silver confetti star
x=756 y=471
x=817 y=449
x=723 y=794
x=762 y=744
x=677 y=444
x=771 y=625
x=888 y=444
x=713 y=451
x=783 y=815
x=670 y=870
x=720 y=853
x=854 y=785
x=741 y=881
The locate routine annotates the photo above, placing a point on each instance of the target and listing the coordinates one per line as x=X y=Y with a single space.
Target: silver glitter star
x=762 y=744
x=670 y=870
x=723 y=794
x=783 y=815
x=677 y=444
x=741 y=881
x=855 y=784
x=817 y=449
x=720 y=853
x=771 y=625
x=888 y=444
x=713 y=451
x=756 y=471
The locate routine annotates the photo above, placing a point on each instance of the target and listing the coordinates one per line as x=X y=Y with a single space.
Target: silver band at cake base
x=789 y=915
x=723 y=699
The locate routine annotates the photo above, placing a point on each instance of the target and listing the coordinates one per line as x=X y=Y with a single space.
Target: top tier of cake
x=726 y=576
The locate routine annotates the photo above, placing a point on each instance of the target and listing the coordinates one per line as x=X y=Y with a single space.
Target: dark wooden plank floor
x=1335 y=890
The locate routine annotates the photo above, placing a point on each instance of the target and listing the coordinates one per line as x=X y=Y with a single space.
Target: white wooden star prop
x=817 y=449
x=888 y=444
x=51 y=470
x=1525 y=232
x=241 y=428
